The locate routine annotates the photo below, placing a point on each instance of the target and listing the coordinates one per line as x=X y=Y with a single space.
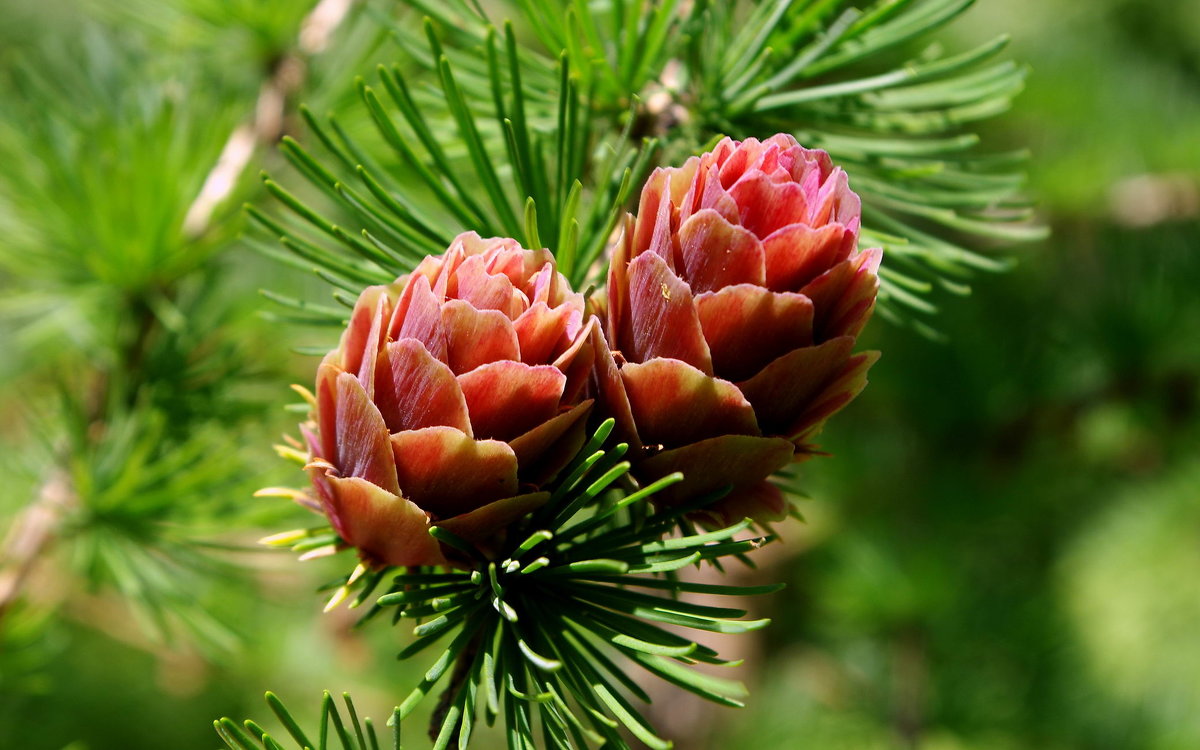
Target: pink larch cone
x=734 y=302
x=455 y=393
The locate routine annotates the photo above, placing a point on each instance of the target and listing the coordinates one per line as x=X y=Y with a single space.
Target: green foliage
x=86 y=261
x=91 y=129
x=568 y=204
x=544 y=132
x=1140 y=643
x=27 y=644
x=246 y=35
x=334 y=733
x=535 y=629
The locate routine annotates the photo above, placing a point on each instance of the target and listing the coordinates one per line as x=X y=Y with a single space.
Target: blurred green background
x=1004 y=551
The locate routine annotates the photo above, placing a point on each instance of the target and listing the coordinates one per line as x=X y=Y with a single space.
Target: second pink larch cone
x=734 y=301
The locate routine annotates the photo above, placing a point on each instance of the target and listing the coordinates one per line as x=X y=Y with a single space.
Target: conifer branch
x=37 y=526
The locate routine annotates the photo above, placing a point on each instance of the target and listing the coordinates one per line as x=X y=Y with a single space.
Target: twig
x=31 y=536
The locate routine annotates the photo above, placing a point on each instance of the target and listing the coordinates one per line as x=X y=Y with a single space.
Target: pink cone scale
x=455 y=393
x=734 y=301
